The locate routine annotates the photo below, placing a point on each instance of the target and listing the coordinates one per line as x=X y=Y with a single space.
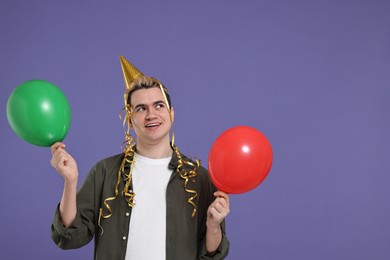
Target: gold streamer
x=129 y=194
x=187 y=175
x=165 y=97
x=129 y=157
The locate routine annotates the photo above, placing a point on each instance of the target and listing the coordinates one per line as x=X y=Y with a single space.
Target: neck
x=154 y=151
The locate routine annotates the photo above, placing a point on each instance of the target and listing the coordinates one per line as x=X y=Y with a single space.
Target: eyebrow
x=154 y=103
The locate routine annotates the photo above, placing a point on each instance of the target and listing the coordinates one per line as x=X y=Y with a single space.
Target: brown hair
x=145 y=82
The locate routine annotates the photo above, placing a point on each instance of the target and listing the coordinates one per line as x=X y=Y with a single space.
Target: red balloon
x=240 y=159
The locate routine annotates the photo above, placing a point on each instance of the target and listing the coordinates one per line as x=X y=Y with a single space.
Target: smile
x=152 y=125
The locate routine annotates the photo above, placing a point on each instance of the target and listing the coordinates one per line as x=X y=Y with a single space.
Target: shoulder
x=103 y=171
x=109 y=163
x=201 y=171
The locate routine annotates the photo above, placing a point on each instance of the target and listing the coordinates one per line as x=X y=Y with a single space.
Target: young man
x=149 y=202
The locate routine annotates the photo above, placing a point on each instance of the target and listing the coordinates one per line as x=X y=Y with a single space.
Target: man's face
x=150 y=118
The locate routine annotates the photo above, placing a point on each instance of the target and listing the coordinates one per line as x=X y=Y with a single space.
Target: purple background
x=313 y=76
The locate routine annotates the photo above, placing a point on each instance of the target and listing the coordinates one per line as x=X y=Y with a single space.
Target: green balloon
x=39 y=112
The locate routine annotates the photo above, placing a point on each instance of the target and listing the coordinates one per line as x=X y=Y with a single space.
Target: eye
x=140 y=109
x=160 y=105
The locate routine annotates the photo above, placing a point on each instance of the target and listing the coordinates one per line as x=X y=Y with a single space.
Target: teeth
x=151 y=125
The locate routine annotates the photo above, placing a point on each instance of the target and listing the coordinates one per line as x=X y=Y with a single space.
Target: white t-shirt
x=147 y=232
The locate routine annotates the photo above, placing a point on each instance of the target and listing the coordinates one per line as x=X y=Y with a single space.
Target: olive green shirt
x=185 y=235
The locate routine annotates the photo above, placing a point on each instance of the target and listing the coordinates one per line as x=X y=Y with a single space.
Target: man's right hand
x=63 y=162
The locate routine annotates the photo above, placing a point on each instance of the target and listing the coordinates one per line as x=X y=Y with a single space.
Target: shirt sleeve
x=82 y=230
x=223 y=249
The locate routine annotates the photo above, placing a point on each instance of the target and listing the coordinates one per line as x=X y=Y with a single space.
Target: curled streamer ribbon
x=187 y=175
x=129 y=158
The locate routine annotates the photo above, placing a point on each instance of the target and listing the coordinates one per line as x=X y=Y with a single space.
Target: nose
x=150 y=115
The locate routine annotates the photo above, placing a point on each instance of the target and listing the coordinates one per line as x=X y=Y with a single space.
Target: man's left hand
x=218 y=210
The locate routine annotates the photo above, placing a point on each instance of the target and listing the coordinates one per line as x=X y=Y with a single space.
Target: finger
x=60 y=158
x=222 y=201
x=60 y=149
x=60 y=155
x=57 y=145
x=217 y=216
x=222 y=195
x=214 y=212
x=219 y=208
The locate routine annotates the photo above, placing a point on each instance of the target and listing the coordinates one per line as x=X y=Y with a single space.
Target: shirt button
x=124 y=237
x=127 y=214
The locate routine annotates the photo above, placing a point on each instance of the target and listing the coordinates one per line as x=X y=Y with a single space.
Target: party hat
x=130 y=73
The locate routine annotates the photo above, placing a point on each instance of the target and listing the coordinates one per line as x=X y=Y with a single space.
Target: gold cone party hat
x=130 y=73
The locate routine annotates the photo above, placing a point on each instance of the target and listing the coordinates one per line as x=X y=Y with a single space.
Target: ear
x=172 y=114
